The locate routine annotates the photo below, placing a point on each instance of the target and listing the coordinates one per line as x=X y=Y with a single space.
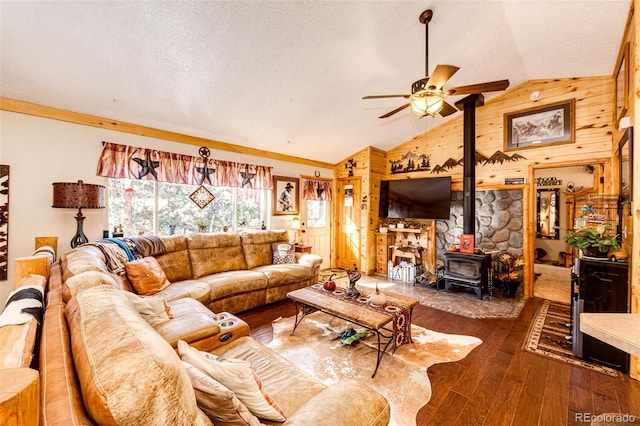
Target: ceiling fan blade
x=441 y=75
x=385 y=96
x=447 y=109
x=471 y=89
x=390 y=113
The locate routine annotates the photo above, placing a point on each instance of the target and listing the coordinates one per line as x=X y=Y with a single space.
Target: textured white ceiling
x=288 y=76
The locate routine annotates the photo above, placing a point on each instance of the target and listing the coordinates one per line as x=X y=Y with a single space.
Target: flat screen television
x=422 y=198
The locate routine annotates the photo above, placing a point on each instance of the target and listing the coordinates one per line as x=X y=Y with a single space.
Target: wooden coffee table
x=309 y=300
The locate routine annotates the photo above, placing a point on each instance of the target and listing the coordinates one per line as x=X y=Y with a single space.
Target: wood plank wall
x=593 y=122
x=596 y=139
x=632 y=37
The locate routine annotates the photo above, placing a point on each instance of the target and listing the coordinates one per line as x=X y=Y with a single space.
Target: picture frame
x=551 y=124
x=286 y=196
x=621 y=104
x=467 y=243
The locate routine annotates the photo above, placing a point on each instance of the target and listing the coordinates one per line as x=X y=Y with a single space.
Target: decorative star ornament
x=246 y=177
x=147 y=166
x=205 y=173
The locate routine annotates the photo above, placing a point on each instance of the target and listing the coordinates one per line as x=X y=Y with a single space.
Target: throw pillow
x=283 y=253
x=218 y=402
x=238 y=376
x=154 y=310
x=146 y=276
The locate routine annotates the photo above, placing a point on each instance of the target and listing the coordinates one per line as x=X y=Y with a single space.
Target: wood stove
x=467 y=270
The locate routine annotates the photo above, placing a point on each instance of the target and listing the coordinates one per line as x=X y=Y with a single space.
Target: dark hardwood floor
x=498 y=383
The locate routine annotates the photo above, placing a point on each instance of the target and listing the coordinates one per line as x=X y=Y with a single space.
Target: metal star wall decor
x=201 y=196
x=147 y=166
x=246 y=177
x=204 y=171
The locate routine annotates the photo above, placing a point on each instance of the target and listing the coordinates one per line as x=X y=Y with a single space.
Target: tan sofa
x=102 y=362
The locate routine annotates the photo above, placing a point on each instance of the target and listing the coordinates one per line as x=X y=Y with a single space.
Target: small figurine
x=354 y=275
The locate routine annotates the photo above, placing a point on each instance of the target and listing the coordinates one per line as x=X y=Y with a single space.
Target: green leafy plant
x=592 y=237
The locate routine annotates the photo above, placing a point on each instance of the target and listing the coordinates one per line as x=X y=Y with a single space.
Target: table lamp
x=295 y=225
x=78 y=195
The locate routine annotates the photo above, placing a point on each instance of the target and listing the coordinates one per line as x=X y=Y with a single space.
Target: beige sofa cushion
x=85 y=280
x=77 y=261
x=213 y=253
x=175 y=262
x=278 y=275
x=232 y=283
x=257 y=246
x=191 y=322
x=127 y=372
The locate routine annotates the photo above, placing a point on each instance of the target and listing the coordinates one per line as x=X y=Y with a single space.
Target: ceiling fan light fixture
x=426 y=105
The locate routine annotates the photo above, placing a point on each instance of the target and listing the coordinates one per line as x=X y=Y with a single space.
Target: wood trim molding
x=43 y=111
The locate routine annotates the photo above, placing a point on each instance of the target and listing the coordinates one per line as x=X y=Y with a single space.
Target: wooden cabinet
x=383 y=241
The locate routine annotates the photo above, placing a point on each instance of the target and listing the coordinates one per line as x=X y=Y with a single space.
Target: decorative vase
x=593 y=252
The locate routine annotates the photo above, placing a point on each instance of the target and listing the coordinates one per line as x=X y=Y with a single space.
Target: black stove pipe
x=468 y=105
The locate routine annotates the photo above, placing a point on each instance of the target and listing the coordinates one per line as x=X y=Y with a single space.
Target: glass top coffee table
x=359 y=312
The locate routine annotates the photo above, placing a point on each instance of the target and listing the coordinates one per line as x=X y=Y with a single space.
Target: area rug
x=547 y=333
x=552 y=282
x=457 y=301
x=402 y=376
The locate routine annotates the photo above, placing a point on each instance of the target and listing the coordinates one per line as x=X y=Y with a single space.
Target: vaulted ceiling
x=288 y=76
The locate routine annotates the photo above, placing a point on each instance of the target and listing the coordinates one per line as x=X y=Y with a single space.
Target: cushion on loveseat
x=127 y=372
x=213 y=253
x=257 y=246
x=175 y=261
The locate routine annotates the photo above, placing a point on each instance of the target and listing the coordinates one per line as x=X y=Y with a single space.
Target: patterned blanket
x=22 y=305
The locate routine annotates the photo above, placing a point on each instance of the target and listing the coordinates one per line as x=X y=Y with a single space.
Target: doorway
x=552 y=259
x=348 y=223
x=316 y=224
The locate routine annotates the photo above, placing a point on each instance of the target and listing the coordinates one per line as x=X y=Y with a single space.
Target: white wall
x=41 y=151
x=581 y=180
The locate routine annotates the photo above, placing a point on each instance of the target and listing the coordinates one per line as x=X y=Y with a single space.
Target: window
x=149 y=207
x=317 y=213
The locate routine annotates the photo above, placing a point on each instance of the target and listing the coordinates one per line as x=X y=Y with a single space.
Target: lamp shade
x=295 y=223
x=426 y=105
x=78 y=195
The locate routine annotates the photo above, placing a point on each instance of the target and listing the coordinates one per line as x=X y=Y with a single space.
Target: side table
x=302 y=249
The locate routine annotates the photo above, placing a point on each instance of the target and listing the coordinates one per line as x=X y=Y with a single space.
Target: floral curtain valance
x=317 y=190
x=122 y=161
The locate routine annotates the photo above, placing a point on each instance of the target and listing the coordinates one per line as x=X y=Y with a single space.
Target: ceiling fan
x=427 y=94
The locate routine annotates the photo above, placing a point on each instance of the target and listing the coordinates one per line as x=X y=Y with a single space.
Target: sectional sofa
x=108 y=355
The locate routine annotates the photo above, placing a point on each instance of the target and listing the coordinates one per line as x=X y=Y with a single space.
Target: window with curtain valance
x=317 y=190
x=123 y=161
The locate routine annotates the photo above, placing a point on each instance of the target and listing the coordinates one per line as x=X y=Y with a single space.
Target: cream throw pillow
x=218 y=402
x=154 y=310
x=238 y=376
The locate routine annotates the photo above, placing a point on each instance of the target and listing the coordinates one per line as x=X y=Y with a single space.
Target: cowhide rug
x=402 y=376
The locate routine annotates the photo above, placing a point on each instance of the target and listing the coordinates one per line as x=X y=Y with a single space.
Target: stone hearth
x=498 y=222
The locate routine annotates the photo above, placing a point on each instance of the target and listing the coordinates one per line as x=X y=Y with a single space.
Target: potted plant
x=594 y=242
x=202 y=224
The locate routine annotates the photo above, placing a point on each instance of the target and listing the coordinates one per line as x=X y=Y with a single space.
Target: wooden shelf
x=415 y=231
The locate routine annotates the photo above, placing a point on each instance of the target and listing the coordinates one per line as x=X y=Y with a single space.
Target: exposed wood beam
x=23 y=107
